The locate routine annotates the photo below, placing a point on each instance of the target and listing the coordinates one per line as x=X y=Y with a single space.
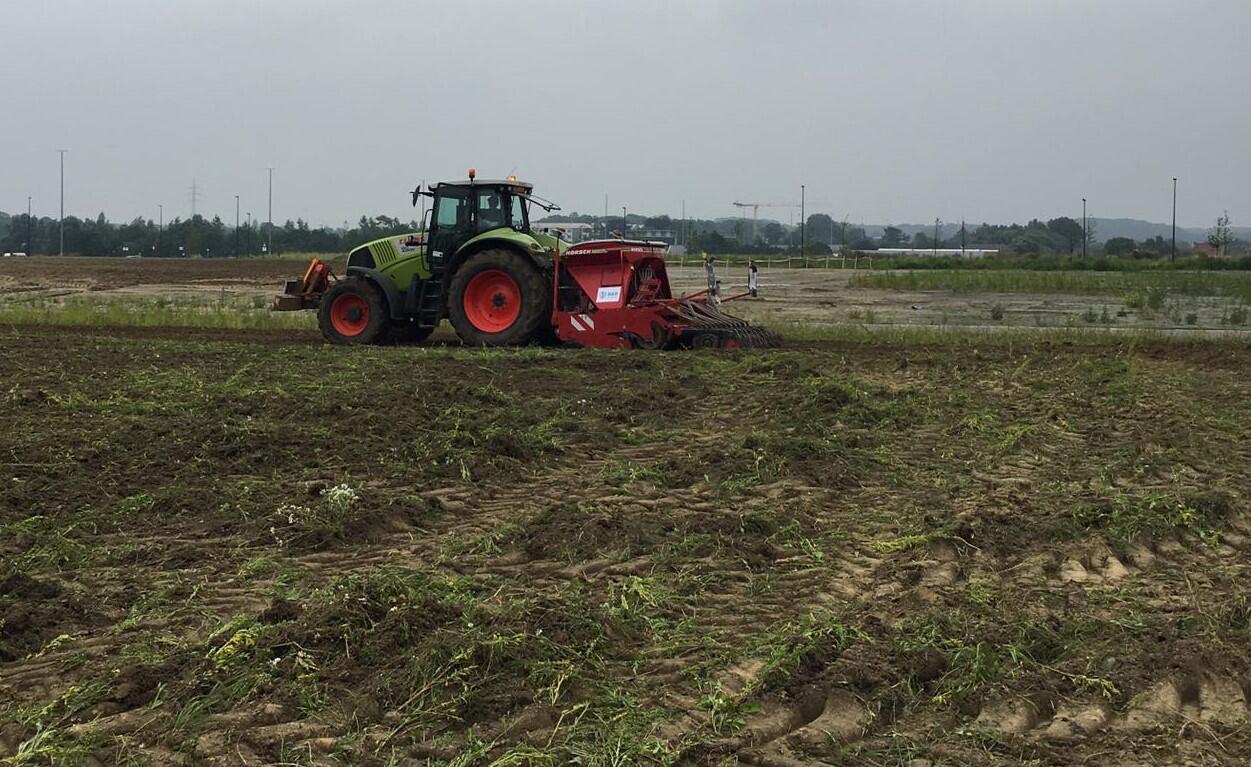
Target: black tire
x=368 y=311
x=404 y=332
x=705 y=340
x=535 y=312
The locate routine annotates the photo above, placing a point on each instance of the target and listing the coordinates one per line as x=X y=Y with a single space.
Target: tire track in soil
x=788 y=731
x=785 y=729
x=468 y=512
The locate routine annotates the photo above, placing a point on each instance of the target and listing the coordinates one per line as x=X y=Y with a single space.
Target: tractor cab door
x=491 y=211
x=451 y=224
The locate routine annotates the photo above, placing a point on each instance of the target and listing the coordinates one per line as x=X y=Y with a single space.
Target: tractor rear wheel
x=499 y=298
x=352 y=311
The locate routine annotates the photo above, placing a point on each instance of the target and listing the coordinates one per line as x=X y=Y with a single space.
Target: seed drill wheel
x=499 y=298
x=352 y=311
x=705 y=340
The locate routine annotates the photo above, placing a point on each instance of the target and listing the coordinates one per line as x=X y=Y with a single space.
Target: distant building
x=570 y=232
x=1205 y=249
x=910 y=252
x=651 y=235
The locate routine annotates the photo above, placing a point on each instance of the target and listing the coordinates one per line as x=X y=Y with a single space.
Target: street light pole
x=269 y=247
x=1085 y=237
x=803 y=230
x=1174 y=256
x=62 y=153
x=236 y=225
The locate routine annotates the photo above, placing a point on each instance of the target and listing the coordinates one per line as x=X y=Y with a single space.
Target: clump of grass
x=214 y=313
x=997 y=312
x=812 y=641
x=726 y=713
x=46 y=545
x=1126 y=516
x=630 y=473
x=1155 y=296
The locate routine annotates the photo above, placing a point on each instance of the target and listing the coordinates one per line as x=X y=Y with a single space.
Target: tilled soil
x=223 y=548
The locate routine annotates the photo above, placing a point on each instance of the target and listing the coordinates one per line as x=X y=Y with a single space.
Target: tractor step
x=426 y=307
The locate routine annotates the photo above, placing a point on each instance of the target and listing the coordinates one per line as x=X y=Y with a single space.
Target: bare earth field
x=243 y=547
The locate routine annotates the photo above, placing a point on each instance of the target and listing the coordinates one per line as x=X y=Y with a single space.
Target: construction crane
x=755 y=211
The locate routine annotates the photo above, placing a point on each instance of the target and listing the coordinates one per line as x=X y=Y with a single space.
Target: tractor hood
x=530 y=242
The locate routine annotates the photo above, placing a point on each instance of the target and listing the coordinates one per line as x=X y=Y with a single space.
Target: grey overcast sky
x=889 y=111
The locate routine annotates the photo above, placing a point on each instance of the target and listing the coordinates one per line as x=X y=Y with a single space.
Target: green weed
x=1125 y=516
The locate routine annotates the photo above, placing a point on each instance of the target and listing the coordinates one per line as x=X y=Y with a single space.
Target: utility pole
x=1085 y=237
x=62 y=152
x=159 y=228
x=1174 y=256
x=249 y=248
x=605 y=215
x=803 y=231
x=684 y=223
x=962 y=238
x=269 y=247
x=625 y=223
x=236 y=225
x=934 y=244
x=30 y=243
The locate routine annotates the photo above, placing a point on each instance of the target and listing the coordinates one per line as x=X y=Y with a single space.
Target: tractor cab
x=465 y=210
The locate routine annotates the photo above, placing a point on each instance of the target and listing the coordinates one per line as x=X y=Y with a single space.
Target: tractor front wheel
x=499 y=298
x=352 y=311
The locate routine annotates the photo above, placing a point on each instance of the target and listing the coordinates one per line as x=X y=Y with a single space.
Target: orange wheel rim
x=349 y=314
x=492 y=301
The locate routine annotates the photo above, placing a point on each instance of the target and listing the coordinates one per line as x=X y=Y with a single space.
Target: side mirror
x=416 y=194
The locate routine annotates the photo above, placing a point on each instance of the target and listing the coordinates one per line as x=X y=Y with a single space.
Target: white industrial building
x=957 y=252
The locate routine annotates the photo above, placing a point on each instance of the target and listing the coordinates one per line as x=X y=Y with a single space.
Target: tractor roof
x=488 y=182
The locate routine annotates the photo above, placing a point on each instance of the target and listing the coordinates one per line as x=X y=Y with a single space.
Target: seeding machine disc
x=711 y=328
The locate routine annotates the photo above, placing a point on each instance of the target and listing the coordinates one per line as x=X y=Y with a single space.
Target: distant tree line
x=820 y=234
x=195 y=236
x=1057 y=237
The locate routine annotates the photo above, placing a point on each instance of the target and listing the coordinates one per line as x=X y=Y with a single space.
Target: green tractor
x=478 y=263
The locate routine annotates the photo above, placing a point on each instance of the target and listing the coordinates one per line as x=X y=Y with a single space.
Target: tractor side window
x=490 y=210
x=518 y=214
x=451 y=210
